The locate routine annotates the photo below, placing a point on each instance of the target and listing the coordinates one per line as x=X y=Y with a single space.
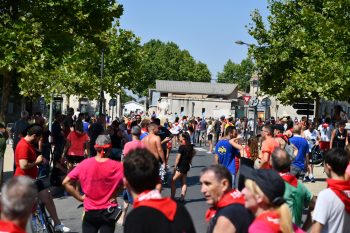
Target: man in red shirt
x=27 y=162
x=17 y=200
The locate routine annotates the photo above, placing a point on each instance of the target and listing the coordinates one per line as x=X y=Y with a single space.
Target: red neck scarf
x=342 y=189
x=229 y=198
x=154 y=200
x=284 y=137
x=289 y=178
x=272 y=219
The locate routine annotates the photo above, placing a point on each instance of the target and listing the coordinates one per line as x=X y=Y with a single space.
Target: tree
x=165 y=61
x=237 y=73
x=54 y=46
x=304 y=52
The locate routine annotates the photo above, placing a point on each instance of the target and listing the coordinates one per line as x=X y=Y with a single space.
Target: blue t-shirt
x=226 y=154
x=303 y=148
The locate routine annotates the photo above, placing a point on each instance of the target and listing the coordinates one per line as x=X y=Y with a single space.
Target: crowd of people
x=256 y=182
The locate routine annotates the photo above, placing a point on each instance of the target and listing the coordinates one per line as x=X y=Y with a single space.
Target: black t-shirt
x=56 y=132
x=149 y=220
x=186 y=155
x=94 y=131
x=163 y=133
x=239 y=216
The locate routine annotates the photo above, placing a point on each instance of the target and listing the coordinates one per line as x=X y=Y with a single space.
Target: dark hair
x=270 y=129
x=133 y=123
x=220 y=173
x=145 y=123
x=280 y=160
x=338 y=159
x=34 y=129
x=229 y=129
x=290 y=124
x=156 y=121
x=141 y=170
x=187 y=138
x=79 y=126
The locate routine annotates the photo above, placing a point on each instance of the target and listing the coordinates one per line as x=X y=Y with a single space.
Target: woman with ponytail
x=263 y=193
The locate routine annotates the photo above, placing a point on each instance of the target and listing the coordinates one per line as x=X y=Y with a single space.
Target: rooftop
x=203 y=88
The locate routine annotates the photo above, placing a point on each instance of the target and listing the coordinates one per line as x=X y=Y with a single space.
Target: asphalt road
x=71 y=215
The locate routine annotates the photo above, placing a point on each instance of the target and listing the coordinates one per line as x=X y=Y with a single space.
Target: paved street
x=195 y=203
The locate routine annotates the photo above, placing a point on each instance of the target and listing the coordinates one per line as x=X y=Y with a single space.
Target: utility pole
x=101 y=84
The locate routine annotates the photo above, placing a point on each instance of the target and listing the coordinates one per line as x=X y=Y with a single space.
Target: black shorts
x=183 y=169
x=210 y=137
x=74 y=158
x=40 y=186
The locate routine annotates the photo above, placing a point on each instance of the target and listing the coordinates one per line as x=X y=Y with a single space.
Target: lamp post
x=239 y=42
x=101 y=84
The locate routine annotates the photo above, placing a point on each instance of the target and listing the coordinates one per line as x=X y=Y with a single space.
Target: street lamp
x=239 y=42
x=101 y=84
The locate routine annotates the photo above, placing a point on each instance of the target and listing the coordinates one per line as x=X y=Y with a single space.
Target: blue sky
x=207 y=29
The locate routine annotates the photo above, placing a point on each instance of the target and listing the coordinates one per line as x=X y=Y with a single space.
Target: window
x=203 y=110
x=182 y=109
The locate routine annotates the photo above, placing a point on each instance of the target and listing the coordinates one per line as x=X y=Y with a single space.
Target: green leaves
x=237 y=73
x=305 y=50
x=165 y=61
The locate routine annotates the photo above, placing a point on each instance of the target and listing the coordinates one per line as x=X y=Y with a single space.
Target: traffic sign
x=266 y=102
x=254 y=102
x=303 y=106
x=246 y=98
x=112 y=102
x=305 y=112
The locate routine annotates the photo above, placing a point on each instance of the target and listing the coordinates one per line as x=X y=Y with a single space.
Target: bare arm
x=316 y=227
x=160 y=150
x=265 y=159
x=216 y=159
x=68 y=185
x=224 y=225
x=24 y=164
x=332 y=139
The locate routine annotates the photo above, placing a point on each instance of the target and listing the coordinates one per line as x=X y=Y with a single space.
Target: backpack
x=291 y=150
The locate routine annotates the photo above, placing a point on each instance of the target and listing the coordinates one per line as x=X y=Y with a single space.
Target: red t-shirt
x=25 y=150
x=9 y=227
x=77 y=142
x=98 y=180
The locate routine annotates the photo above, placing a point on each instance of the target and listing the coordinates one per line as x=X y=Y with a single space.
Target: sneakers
x=306 y=179
x=61 y=228
x=312 y=179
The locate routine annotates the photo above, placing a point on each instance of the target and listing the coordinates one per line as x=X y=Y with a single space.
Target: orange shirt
x=268 y=146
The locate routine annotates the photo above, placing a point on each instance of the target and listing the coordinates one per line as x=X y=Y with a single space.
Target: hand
x=82 y=198
x=62 y=160
x=39 y=160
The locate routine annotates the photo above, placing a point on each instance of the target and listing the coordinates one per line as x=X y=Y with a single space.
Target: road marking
x=200 y=149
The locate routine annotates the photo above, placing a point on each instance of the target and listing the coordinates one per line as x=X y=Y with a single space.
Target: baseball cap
x=269 y=181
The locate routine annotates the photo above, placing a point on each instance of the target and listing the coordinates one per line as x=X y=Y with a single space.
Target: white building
x=133 y=106
x=193 y=98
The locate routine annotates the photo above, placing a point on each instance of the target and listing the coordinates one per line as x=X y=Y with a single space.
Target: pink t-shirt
x=77 y=141
x=133 y=145
x=347 y=171
x=98 y=180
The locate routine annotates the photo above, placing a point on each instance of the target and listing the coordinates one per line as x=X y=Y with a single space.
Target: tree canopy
x=237 y=73
x=166 y=61
x=304 y=52
x=54 y=46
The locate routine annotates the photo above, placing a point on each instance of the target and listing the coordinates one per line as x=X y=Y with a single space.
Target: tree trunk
x=6 y=91
x=317 y=108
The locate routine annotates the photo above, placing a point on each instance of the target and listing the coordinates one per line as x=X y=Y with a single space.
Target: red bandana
x=272 y=219
x=106 y=146
x=290 y=179
x=342 y=190
x=284 y=137
x=154 y=200
x=232 y=197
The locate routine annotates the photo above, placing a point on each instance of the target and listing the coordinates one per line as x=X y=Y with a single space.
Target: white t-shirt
x=209 y=129
x=311 y=137
x=330 y=212
x=326 y=133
